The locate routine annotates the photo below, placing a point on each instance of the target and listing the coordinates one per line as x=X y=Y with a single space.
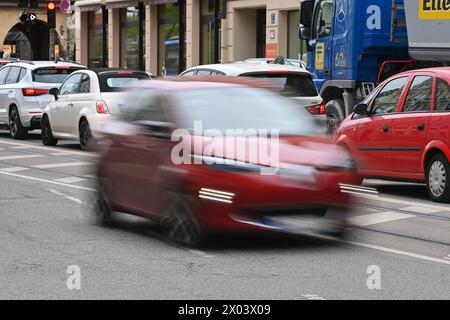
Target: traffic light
x=51 y=14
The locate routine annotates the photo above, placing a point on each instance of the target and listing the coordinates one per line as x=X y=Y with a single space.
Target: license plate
x=298 y=224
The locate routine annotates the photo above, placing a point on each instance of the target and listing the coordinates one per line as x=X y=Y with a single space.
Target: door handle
x=421 y=127
x=386 y=129
x=70 y=105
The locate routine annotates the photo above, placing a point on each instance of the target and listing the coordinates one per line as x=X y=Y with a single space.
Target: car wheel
x=16 y=130
x=103 y=212
x=85 y=135
x=46 y=133
x=352 y=164
x=438 y=175
x=334 y=118
x=179 y=224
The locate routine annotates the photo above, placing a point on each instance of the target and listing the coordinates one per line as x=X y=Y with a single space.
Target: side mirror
x=161 y=130
x=306 y=13
x=361 y=109
x=304 y=33
x=54 y=92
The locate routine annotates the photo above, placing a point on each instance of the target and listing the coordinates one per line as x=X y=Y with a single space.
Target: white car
x=24 y=92
x=291 y=62
x=290 y=81
x=84 y=102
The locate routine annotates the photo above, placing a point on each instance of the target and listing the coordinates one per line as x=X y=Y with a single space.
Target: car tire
x=16 y=129
x=179 y=224
x=334 y=115
x=353 y=165
x=438 y=178
x=86 y=139
x=46 y=133
x=103 y=212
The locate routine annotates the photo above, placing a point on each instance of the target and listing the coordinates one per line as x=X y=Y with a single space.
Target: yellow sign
x=320 y=56
x=434 y=9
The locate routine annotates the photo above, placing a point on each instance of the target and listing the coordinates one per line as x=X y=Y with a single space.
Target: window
x=150 y=107
x=3 y=74
x=324 y=18
x=419 y=95
x=292 y=85
x=23 y=73
x=13 y=75
x=52 y=75
x=442 y=99
x=203 y=72
x=387 y=99
x=71 y=85
x=85 y=84
x=132 y=31
x=189 y=73
x=97 y=38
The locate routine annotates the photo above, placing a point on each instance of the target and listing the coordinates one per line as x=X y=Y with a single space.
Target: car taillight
x=102 y=107
x=34 y=92
x=318 y=109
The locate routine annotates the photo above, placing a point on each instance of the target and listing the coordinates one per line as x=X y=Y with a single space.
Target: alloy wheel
x=437 y=178
x=180 y=226
x=13 y=127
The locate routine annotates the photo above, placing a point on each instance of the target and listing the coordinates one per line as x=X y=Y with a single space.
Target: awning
x=89 y=5
x=148 y=2
x=111 y=4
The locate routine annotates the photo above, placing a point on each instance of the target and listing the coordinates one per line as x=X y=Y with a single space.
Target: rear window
x=290 y=85
x=53 y=74
x=116 y=82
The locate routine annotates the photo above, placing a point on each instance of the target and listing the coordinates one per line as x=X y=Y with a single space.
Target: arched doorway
x=28 y=44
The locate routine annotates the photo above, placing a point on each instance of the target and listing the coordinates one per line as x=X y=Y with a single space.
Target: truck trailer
x=353 y=45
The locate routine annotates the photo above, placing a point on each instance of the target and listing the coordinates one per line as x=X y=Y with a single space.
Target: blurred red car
x=402 y=131
x=139 y=171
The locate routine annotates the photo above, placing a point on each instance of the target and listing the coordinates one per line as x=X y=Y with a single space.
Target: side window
x=419 y=95
x=3 y=74
x=22 y=74
x=85 y=84
x=189 y=73
x=13 y=75
x=150 y=107
x=71 y=85
x=324 y=19
x=442 y=98
x=388 y=98
x=203 y=72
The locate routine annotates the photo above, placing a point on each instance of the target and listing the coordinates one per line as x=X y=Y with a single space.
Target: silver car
x=24 y=92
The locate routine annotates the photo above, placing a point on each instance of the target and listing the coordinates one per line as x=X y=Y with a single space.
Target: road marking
x=199 y=253
x=46 y=181
x=447 y=257
x=14 y=169
x=66 y=196
x=20 y=147
x=23 y=156
x=420 y=209
x=398 y=252
x=61 y=165
x=312 y=297
x=90 y=176
x=377 y=218
x=403 y=202
x=62 y=153
x=82 y=153
x=70 y=180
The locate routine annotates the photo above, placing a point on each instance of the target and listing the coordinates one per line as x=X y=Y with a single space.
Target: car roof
x=238 y=68
x=42 y=64
x=195 y=83
x=106 y=70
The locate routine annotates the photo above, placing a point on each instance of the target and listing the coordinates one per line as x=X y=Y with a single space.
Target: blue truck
x=355 y=44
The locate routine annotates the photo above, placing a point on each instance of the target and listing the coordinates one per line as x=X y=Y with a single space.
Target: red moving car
x=402 y=131
x=137 y=173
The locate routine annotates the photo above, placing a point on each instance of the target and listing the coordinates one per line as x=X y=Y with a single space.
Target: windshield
x=242 y=109
x=290 y=85
x=53 y=74
x=115 y=82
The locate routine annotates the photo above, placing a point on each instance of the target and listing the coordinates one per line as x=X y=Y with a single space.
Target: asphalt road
x=46 y=227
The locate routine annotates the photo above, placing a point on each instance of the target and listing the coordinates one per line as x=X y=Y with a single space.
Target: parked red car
x=137 y=172
x=402 y=131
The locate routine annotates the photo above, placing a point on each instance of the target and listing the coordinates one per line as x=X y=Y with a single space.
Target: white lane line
x=312 y=297
x=70 y=180
x=377 y=218
x=20 y=147
x=90 y=176
x=14 y=169
x=398 y=252
x=82 y=153
x=66 y=196
x=46 y=181
x=61 y=165
x=199 y=253
x=62 y=153
x=403 y=202
x=23 y=156
x=420 y=209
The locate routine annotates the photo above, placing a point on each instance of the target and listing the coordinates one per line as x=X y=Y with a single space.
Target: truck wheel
x=16 y=130
x=334 y=114
x=438 y=179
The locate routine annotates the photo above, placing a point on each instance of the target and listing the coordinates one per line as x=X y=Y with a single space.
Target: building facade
x=32 y=42
x=165 y=37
